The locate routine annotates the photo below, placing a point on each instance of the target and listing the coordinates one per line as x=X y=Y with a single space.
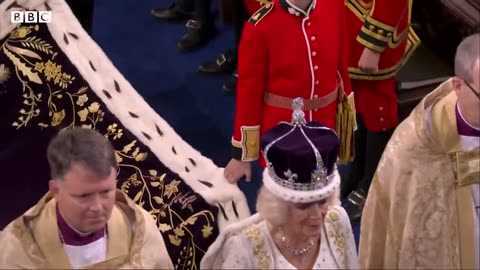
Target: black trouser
x=184 y=6
x=202 y=12
x=369 y=147
x=83 y=10
x=199 y=9
x=240 y=17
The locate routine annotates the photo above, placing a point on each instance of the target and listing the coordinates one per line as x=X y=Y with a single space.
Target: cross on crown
x=298 y=116
x=291 y=177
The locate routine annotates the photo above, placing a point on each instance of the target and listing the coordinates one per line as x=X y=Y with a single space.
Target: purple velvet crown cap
x=291 y=149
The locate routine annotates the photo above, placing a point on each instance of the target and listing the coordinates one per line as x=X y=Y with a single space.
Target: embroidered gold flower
x=141 y=157
x=112 y=130
x=82 y=99
x=83 y=115
x=334 y=216
x=94 y=107
x=178 y=231
x=163 y=227
x=21 y=32
x=251 y=232
x=112 y=127
x=57 y=118
x=207 y=231
x=263 y=257
x=4 y=73
x=174 y=240
x=51 y=70
x=191 y=220
x=63 y=80
x=118 y=158
x=341 y=242
x=171 y=188
x=39 y=66
x=119 y=134
x=127 y=148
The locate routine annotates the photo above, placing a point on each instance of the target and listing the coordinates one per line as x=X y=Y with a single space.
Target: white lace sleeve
x=237 y=254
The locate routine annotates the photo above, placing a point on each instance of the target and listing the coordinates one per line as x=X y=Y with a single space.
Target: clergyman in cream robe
x=419 y=213
x=32 y=241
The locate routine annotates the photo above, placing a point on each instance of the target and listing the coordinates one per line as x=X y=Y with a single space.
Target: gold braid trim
x=345 y=127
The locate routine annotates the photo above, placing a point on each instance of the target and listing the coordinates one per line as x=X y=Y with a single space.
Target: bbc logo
x=31 y=16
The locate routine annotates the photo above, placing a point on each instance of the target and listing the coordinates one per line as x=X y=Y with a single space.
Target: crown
x=300 y=155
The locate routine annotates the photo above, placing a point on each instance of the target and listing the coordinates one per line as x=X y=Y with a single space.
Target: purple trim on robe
x=463 y=127
x=73 y=238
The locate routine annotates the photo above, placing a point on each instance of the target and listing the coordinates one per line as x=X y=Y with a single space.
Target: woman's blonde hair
x=276 y=211
x=272 y=208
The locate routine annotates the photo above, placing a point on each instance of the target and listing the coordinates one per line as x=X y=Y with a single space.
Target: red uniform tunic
x=254 y=5
x=383 y=26
x=287 y=52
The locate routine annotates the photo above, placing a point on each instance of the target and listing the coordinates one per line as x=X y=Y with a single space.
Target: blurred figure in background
x=379 y=45
x=226 y=62
x=200 y=25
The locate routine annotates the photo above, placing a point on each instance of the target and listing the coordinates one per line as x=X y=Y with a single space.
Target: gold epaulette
x=262 y=12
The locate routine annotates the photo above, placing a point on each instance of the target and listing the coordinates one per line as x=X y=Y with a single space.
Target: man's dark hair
x=80 y=145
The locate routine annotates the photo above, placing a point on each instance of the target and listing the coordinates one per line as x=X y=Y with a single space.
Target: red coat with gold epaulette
x=383 y=26
x=289 y=53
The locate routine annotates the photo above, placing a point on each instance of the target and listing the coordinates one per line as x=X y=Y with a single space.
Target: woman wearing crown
x=299 y=224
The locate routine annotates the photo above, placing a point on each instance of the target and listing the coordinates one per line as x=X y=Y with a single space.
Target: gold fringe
x=345 y=124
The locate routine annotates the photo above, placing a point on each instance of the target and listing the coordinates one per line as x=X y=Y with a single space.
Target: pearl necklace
x=296 y=251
